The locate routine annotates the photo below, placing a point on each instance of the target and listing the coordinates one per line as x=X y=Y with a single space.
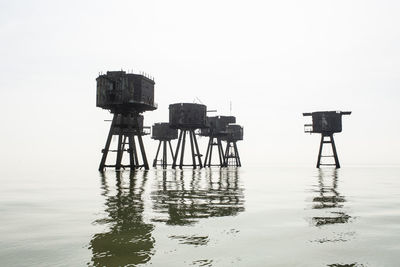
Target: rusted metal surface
x=163 y=131
x=120 y=92
x=234 y=132
x=216 y=125
x=325 y=121
x=127 y=125
x=187 y=116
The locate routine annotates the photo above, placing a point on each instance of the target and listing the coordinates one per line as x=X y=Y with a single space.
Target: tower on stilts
x=164 y=133
x=215 y=131
x=126 y=96
x=234 y=133
x=326 y=123
x=187 y=117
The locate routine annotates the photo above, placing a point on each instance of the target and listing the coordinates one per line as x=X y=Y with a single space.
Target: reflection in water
x=346 y=265
x=185 y=196
x=203 y=263
x=332 y=215
x=329 y=198
x=191 y=240
x=128 y=240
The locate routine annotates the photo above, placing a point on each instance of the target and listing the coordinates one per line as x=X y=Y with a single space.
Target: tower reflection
x=329 y=198
x=128 y=239
x=185 y=196
x=329 y=213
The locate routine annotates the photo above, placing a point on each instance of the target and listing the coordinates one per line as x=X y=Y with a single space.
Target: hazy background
x=272 y=59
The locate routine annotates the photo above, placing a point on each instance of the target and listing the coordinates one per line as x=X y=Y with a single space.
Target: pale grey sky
x=272 y=59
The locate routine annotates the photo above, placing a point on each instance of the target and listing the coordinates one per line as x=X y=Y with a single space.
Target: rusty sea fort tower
x=187 y=117
x=234 y=133
x=222 y=128
x=215 y=131
x=326 y=123
x=126 y=96
x=164 y=133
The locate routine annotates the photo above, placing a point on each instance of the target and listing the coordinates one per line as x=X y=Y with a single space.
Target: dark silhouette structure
x=164 y=133
x=126 y=95
x=234 y=133
x=187 y=117
x=216 y=130
x=326 y=123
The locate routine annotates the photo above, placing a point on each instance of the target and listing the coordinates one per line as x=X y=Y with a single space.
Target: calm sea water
x=288 y=216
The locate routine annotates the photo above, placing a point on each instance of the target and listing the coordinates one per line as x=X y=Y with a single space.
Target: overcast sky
x=272 y=59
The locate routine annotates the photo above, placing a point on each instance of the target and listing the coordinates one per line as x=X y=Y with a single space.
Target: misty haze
x=211 y=133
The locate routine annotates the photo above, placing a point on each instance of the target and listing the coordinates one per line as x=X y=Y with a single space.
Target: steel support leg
x=135 y=152
x=155 y=159
x=192 y=149
x=119 y=152
x=145 y=163
x=238 y=163
x=177 y=150
x=208 y=150
x=108 y=142
x=197 y=149
x=320 y=151
x=220 y=152
x=183 y=150
x=131 y=157
x=164 y=161
x=228 y=144
x=170 y=147
x=335 y=153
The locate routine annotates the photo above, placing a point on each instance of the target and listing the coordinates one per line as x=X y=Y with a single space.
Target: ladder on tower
x=331 y=141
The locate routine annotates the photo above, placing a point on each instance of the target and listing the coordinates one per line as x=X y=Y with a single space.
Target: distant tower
x=164 y=133
x=126 y=95
x=234 y=133
x=216 y=130
x=326 y=123
x=187 y=117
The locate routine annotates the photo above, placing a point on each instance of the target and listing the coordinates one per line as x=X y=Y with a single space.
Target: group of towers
x=190 y=119
x=128 y=95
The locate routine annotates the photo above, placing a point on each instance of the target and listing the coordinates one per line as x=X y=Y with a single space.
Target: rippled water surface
x=288 y=216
